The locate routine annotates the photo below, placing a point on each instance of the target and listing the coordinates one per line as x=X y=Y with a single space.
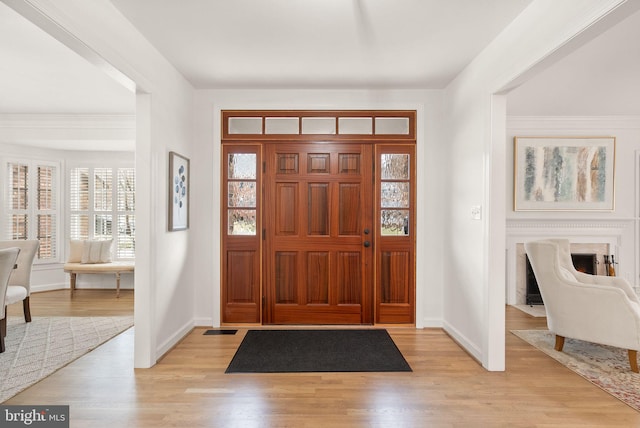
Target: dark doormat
x=348 y=350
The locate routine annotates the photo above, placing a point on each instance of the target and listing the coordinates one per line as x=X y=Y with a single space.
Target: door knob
x=367 y=244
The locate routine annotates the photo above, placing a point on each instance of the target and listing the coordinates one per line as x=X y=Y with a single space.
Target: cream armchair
x=8 y=259
x=592 y=308
x=20 y=281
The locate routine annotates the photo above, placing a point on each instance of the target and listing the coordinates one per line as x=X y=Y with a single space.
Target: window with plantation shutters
x=31 y=205
x=102 y=206
x=126 y=212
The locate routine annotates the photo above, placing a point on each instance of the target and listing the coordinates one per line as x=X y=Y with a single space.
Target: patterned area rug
x=35 y=350
x=604 y=366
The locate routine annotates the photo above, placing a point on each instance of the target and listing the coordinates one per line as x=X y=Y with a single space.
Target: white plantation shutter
x=126 y=213
x=31 y=208
x=79 y=201
x=46 y=210
x=17 y=201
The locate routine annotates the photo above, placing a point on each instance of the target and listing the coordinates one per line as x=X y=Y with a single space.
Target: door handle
x=367 y=244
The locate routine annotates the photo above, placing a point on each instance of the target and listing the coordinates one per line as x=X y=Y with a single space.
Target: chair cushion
x=15 y=294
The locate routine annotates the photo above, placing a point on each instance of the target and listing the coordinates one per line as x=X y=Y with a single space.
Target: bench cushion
x=112 y=267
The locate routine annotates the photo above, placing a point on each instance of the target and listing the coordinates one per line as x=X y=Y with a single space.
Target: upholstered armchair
x=20 y=281
x=8 y=259
x=592 y=308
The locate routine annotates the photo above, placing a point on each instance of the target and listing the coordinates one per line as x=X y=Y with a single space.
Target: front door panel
x=318 y=240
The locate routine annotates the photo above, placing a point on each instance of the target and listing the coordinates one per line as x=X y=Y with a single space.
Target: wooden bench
x=98 y=268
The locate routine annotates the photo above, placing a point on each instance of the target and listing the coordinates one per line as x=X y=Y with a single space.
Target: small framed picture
x=564 y=173
x=178 y=192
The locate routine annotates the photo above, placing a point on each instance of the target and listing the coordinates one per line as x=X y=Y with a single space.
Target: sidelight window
x=241 y=193
x=394 y=194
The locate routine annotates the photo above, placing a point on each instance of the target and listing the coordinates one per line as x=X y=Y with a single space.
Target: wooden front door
x=318 y=217
x=318 y=237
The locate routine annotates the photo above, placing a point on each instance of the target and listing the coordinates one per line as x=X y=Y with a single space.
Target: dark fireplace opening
x=586 y=263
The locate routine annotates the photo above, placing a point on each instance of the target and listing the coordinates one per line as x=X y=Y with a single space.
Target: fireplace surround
x=587 y=263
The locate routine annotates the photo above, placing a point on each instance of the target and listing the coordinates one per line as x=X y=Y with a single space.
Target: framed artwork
x=564 y=173
x=178 y=192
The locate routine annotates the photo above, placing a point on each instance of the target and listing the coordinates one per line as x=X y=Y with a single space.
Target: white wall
x=207 y=167
x=474 y=250
x=165 y=272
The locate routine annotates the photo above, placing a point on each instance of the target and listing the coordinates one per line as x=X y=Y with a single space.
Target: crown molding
x=580 y=122
x=68 y=121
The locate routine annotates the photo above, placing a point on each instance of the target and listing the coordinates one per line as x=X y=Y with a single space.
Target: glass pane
x=45 y=188
x=102 y=189
x=242 y=166
x=46 y=227
x=394 y=167
x=102 y=226
x=126 y=189
x=281 y=125
x=394 y=222
x=392 y=126
x=242 y=194
x=245 y=125
x=126 y=236
x=79 y=189
x=19 y=226
x=79 y=228
x=18 y=182
x=242 y=222
x=394 y=194
x=355 y=125
x=318 y=125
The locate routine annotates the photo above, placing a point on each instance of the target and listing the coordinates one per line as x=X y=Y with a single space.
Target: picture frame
x=179 y=186
x=564 y=173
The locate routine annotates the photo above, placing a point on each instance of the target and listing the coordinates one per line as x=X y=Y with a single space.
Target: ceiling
x=320 y=43
x=276 y=44
x=40 y=75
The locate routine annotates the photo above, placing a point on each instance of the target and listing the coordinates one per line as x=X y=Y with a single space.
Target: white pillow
x=567 y=275
x=97 y=251
x=75 y=251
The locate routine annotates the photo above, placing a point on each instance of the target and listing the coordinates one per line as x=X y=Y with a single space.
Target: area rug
x=604 y=366
x=37 y=349
x=347 y=350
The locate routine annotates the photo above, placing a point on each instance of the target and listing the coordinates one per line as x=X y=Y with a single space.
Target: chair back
x=547 y=266
x=28 y=249
x=564 y=254
x=8 y=258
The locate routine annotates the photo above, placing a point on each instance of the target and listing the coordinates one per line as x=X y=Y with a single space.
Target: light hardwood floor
x=188 y=387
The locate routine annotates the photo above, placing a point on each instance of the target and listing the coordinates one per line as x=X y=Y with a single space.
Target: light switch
x=476 y=212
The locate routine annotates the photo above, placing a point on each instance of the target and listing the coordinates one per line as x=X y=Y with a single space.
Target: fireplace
x=587 y=263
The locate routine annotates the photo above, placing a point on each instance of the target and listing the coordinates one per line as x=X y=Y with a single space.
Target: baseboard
x=173 y=340
x=204 y=322
x=464 y=343
x=432 y=323
x=49 y=287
